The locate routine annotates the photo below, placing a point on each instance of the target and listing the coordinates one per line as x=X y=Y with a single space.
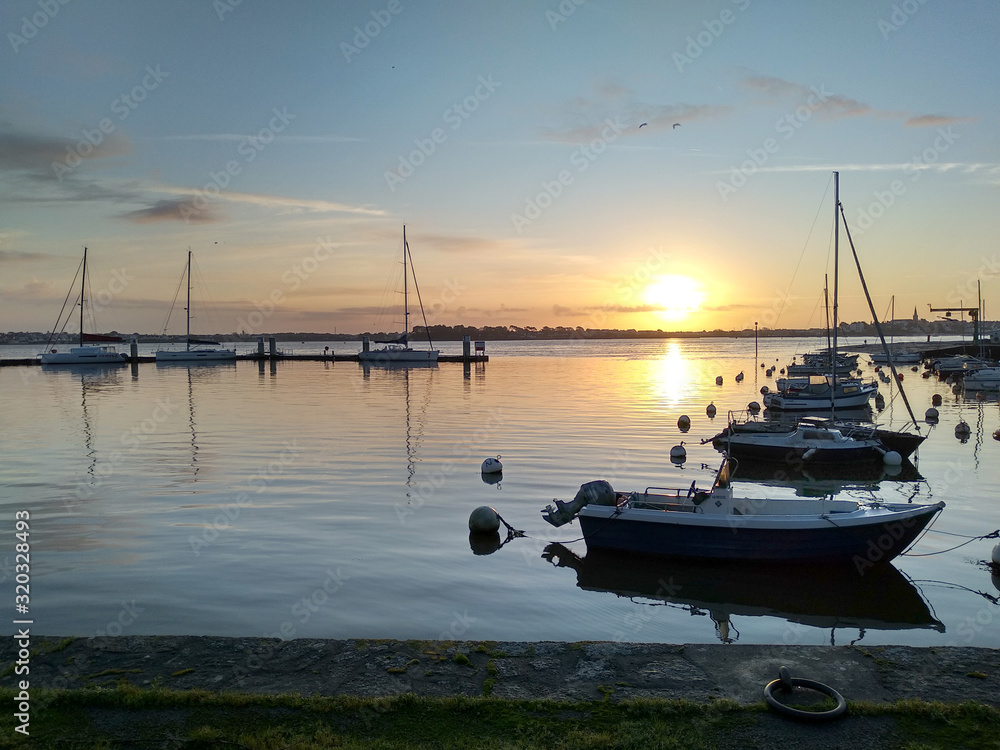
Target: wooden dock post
x=466 y=348
x=274 y=347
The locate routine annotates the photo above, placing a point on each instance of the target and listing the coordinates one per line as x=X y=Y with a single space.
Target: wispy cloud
x=172 y=209
x=310 y=139
x=936 y=121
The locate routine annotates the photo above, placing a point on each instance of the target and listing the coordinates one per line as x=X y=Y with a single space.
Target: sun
x=674 y=297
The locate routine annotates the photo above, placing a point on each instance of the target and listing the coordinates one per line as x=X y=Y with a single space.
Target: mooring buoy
x=492 y=465
x=484 y=519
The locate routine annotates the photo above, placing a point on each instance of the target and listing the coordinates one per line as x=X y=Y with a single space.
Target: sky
x=577 y=163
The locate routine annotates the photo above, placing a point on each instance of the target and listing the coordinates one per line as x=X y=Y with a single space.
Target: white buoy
x=962 y=430
x=710 y=410
x=678 y=453
x=892 y=458
x=996 y=555
x=684 y=422
x=492 y=465
x=753 y=407
x=484 y=519
x=931 y=415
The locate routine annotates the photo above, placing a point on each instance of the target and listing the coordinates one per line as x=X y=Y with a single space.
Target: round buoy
x=878 y=368
x=899 y=375
x=962 y=430
x=996 y=435
x=684 y=422
x=718 y=380
x=492 y=465
x=936 y=399
x=761 y=364
x=996 y=555
x=678 y=453
x=710 y=410
x=956 y=389
x=892 y=458
x=915 y=369
x=739 y=378
x=484 y=519
x=931 y=415
x=764 y=390
x=879 y=401
x=754 y=407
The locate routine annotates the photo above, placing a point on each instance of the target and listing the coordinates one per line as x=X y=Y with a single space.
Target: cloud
x=834 y=106
x=934 y=121
x=35 y=155
x=172 y=209
x=285 y=138
x=17 y=256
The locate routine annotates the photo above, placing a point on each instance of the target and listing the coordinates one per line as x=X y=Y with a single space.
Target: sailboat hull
x=197 y=355
x=85 y=355
x=377 y=356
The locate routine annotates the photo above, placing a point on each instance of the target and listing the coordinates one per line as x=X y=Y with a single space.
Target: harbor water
x=331 y=500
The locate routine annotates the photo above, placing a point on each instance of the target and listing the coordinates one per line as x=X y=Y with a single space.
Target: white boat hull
x=197 y=355
x=85 y=355
x=399 y=355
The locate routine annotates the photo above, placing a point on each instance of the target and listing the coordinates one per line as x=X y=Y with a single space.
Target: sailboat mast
x=406 y=306
x=83 y=291
x=836 y=274
x=187 y=309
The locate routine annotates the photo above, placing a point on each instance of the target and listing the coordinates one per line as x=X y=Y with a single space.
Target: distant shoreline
x=934 y=329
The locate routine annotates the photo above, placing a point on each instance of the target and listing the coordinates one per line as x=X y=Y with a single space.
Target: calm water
x=309 y=499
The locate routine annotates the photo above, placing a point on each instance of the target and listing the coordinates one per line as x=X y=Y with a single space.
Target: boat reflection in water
x=826 y=596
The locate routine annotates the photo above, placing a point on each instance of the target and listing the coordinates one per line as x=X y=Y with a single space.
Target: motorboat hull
x=864 y=537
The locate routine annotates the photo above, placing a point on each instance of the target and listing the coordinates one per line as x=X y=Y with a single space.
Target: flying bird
x=644 y=124
x=677 y=124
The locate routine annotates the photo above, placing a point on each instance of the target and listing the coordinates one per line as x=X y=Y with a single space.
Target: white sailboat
x=196 y=350
x=824 y=391
x=398 y=350
x=94 y=354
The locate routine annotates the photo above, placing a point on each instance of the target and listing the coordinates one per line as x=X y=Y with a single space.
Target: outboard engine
x=598 y=492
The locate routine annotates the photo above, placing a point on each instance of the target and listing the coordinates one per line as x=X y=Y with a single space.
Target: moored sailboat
x=196 y=350
x=100 y=352
x=398 y=350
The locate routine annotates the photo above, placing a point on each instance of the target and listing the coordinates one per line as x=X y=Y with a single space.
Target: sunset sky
x=577 y=163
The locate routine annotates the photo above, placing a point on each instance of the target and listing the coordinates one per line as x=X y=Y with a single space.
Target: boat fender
x=753 y=407
x=787 y=684
x=700 y=497
x=892 y=458
x=809 y=454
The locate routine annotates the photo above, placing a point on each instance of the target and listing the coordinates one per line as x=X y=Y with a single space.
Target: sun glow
x=674 y=297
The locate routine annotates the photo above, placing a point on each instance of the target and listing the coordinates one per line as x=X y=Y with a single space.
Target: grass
x=128 y=716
